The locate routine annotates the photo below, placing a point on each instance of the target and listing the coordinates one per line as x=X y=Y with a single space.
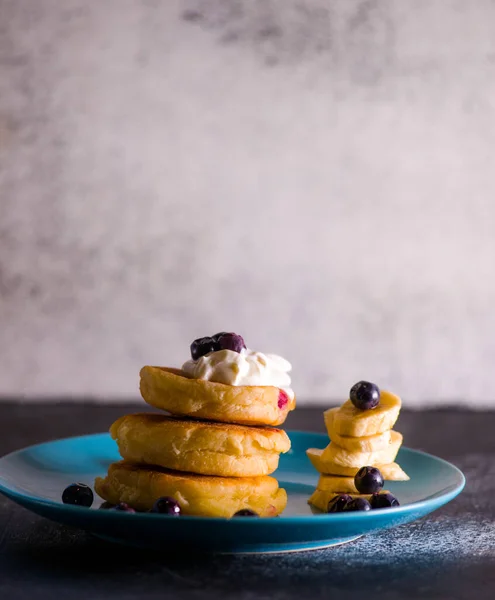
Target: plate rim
x=434 y=502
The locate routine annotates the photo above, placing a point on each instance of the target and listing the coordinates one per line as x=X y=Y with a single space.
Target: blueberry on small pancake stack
x=362 y=451
x=215 y=449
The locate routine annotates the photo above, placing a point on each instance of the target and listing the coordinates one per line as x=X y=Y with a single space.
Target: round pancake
x=198 y=495
x=170 y=390
x=199 y=447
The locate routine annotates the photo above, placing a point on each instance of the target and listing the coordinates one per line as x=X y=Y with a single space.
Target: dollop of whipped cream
x=242 y=368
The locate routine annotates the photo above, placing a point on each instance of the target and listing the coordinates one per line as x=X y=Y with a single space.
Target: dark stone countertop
x=448 y=555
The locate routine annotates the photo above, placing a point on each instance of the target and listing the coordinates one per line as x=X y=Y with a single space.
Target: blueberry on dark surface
x=203 y=346
x=106 y=505
x=385 y=500
x=357 y=504
x=365 y=395
x=123 y=507
x=246 y=512
x=231 y=341
x=368 y=480
x=166 y=506
x=338 y=503
x=78 y=494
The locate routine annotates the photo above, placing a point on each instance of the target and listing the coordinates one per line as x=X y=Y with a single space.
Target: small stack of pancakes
x=358 y=438
x=213 y=453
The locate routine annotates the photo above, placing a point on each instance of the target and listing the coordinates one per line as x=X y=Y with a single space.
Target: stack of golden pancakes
x=358 y=438
x=213 y=453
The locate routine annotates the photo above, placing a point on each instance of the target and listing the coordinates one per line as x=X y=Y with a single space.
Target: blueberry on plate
x=338 y=503
x=78 y=494
x=368 y=480
x=365 y=395
x=231 y=341
x=357 y=504
x=167 y=506
x=203 y=346
x=246 y=512
x=385 y=500
x=123 y=507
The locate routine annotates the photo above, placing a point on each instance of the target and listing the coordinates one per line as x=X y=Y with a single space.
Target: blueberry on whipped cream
x=224 y=358
x=219 y=341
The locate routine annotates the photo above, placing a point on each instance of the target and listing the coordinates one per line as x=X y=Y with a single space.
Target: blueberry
x=246 y=512
x=368 y=480
x=231 y=341
x=123 y=507
x=365 y=395
x=167 y=506
x=217 y=336
x=385 y=500
x=78 y=494
x=106 y=505
x=357 y=504
x=203 y=346
x=338 y=503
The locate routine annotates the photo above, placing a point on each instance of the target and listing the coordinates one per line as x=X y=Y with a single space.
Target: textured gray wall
x=317 y=176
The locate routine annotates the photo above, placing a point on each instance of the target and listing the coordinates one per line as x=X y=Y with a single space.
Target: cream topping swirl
x=242 y=368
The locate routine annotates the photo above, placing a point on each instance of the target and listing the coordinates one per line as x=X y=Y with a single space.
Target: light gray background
x=318 y=176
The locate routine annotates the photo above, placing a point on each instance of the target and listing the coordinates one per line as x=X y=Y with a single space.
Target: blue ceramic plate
x=36 y=476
